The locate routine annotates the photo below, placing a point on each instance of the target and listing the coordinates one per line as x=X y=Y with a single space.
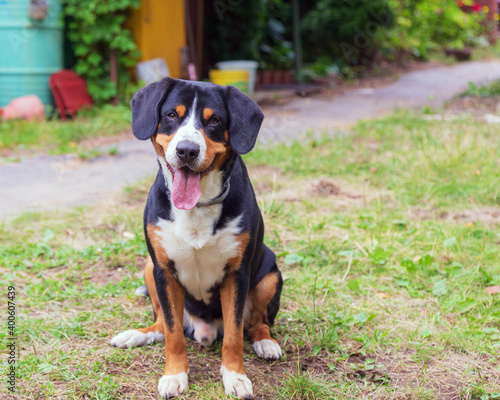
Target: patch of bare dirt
x=271 y=184
x=103 y=277
x=474 y=105
x=343 y=194
x=265 y=178
x=487 y=215
x=447 y=375
x=329 y=188
x=99 y=141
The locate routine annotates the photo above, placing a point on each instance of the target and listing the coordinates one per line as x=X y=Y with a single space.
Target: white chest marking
x=200 y=257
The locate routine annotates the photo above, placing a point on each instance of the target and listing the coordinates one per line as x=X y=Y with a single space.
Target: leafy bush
x=95 y=29
x=363 y=32
x=491 y=90
x=424 y=26
x=345 y=30
x=249 y=30
x=276 y=49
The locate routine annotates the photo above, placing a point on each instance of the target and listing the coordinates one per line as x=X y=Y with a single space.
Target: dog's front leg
x=233 y=294
x=171 y=296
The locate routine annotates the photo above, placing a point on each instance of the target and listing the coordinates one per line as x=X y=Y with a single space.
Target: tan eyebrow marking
x=181 y=110
x=207 y=113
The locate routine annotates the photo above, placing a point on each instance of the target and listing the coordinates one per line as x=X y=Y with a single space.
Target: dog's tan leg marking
x=235 y=262
x=150 y=283
x=232 y=369
x=174 y=380
x=256 y=321
x=153 y=333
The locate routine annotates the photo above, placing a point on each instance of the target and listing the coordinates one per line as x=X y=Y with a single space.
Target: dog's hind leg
x=153 y=333
x=260 y=310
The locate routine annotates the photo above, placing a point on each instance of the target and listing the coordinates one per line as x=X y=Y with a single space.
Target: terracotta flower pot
x=287 y=77
x=277 y=77
x=265 y=77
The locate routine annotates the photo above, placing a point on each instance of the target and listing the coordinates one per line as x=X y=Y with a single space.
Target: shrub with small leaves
x=96 y=30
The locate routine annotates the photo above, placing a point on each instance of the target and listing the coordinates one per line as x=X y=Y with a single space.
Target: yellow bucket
x=233 y=77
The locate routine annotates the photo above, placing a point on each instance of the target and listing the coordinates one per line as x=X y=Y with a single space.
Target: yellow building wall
x=159 y=29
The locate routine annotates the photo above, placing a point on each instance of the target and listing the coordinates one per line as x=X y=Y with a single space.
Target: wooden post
x=113 y=75
x=296 y=36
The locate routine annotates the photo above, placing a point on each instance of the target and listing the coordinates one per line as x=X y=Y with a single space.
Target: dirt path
x=415 y=89
x=46 y=182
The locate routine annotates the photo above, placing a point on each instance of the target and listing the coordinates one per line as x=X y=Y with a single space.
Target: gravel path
x=48 y=182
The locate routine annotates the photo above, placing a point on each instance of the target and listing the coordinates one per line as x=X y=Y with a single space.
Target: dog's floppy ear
x=245 y=118
x=146 y=105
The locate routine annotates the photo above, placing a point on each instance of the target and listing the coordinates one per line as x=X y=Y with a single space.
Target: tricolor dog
x=209 y=274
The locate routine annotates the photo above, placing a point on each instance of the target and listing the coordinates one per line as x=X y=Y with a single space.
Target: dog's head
x=194 y=127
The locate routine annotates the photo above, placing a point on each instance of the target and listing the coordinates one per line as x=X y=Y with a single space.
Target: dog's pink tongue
x=186 y=189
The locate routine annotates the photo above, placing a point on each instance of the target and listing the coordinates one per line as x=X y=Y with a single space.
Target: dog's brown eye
x=214 y=121
x=172 y=116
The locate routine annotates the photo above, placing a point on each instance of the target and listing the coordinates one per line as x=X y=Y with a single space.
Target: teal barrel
x=30 y=50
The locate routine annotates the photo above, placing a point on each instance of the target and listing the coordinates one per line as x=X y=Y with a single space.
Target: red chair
x=70 y=92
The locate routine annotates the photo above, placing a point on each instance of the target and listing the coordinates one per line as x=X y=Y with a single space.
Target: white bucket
x=251 y=66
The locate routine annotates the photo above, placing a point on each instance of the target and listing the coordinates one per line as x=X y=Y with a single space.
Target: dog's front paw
x=172 y=385
x=134 y=338
x=236 y=384
x=267 y=349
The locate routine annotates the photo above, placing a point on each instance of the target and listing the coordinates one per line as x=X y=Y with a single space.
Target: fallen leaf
x=383 y=295
x=492 y=289
x=129 y=235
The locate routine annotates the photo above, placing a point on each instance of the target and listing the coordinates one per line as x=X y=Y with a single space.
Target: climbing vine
x=95 y=29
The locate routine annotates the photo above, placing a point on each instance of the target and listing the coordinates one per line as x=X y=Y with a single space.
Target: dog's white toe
x=134 y=338
x=236 y=384
x=172 y=385
x=267 y=349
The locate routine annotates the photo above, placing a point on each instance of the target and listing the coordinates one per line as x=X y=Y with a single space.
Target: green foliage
x=424 y=26
x=234 y=29
x=492 y=90
x=381 y=278
x=95 y=29
x=276 y=50
x=250 y=30
x=424 y=162
x=344 y=30
x=301 y=385
x=363 y=32
x=59 y=137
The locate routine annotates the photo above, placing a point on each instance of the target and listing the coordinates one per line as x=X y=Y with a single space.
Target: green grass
x=491 y=90
x=486 y=53
x=387 y=240
x=57 y=137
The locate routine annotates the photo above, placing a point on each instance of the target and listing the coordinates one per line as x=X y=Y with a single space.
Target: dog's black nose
x=187 y=151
